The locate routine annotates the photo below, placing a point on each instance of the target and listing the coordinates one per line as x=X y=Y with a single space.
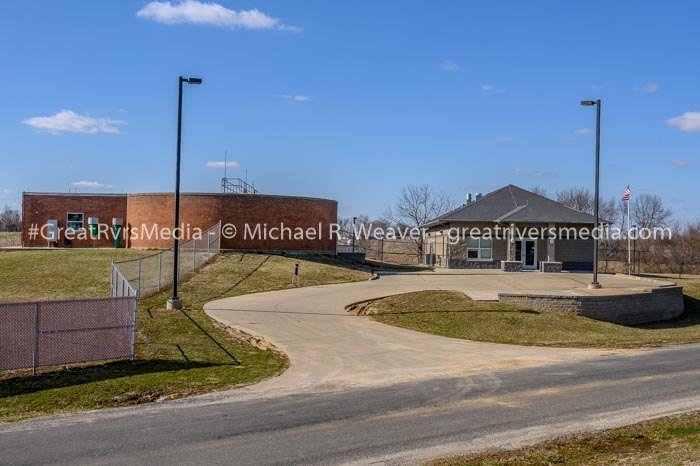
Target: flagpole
x=629 y=240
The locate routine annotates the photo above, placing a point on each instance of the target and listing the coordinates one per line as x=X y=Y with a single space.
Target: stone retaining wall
x=512 y=266
x=461 y=263
x=550 y=267
x=657 y=304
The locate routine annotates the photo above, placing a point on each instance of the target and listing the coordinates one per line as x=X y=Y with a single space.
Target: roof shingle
x=514 y=204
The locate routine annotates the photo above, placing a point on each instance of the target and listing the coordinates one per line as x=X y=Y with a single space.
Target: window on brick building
x=75 y=220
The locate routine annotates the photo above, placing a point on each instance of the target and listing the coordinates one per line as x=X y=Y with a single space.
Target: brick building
x=262 y=222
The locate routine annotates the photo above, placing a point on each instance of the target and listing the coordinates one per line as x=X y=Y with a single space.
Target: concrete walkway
x=331 y=350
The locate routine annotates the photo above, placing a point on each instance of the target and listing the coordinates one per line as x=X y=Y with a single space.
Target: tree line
x=678 y=254
x=10 y=220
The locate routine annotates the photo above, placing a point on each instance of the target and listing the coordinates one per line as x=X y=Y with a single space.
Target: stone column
x=551 y=246
x=511 y=242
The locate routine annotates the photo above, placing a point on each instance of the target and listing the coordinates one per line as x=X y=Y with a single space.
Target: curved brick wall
x=204 y=210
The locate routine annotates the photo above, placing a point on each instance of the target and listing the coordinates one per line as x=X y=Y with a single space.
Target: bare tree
x=679 y=253
x=540 y=190
x=612 y=211
x=10 y=224
x=416 y=206
x=10 y=220
x=345 y=227
x=648 y=211
x=578 y=198
x=363 y=229
x=582 y=199
x=611 y=214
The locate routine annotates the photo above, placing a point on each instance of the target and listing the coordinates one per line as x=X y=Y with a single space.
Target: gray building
x=510 y=225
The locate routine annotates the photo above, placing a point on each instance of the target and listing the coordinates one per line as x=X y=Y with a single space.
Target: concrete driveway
x=330 y=349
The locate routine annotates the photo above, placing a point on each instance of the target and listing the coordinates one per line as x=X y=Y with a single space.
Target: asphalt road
x=402 y=423
x=363 y=392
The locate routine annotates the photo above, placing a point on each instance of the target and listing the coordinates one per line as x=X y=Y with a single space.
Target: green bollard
x=116 y=229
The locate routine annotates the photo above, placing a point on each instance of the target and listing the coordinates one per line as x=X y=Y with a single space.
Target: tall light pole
x=174 y=302
x=589 y=103
x=354 y=219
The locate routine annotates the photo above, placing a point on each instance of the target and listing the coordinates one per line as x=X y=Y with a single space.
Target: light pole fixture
x=354 y=219
x=174 y=302
x=589 y=103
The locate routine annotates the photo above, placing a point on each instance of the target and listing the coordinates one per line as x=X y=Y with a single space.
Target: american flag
x=628 y=193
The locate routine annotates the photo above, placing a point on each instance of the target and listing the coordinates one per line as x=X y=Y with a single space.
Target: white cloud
x=212 y=14
x=679 y=162
x=597 y=87
x=222 y=164
x=650 y=88
x=298 y=98
x=583 y=132
x=528 y=172
x=504 y=139
x=449 y=66
x=688 y=122
x=90 y=185
x=490 y=89
x=534 y=172
x=70 y=122
x=7 y=191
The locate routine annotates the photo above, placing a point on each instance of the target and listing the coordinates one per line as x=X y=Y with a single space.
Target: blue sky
x=351 y=100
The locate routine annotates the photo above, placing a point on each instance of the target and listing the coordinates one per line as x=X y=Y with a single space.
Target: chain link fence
x=394 y=251
x=10 y=239
x=669 y=260
x=147 y=275
x=49 y=333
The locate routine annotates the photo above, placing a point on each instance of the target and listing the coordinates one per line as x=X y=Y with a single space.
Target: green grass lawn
x=453 y=314
x=670 y=440
x=27 y=275
x=179 y=353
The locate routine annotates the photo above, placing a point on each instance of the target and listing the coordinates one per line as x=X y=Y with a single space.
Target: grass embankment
x=670 y=440
x=453 y=314
x=27 y=275
x=179 y=353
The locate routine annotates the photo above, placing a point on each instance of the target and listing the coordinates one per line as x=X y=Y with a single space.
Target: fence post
x=134 y=303
x=139 y=275
x=160 y=266
x=111 y=280
x=37 y=322
x=194 y=253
